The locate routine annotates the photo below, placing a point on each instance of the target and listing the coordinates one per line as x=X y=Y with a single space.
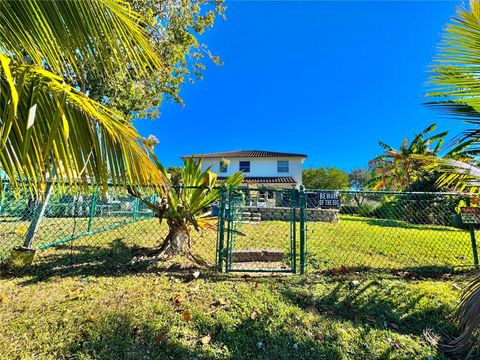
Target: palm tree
x=456 y=89
x=49 y=127
x=398 y=169
x=185 y=207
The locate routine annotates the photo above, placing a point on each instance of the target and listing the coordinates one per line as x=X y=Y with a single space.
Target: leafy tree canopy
x=174 y=28
x=329 y=178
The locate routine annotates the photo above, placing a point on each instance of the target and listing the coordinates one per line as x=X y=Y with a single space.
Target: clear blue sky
x=329 y=79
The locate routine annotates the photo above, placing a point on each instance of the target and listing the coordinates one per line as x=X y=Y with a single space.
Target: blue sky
x=329 y=79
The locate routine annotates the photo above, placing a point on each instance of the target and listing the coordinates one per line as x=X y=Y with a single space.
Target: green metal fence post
x=221 y=228
x=93 y=205
x=293 y=240
x=230 y=226
x=302 y=229
x=474 y=241
x=136 y=205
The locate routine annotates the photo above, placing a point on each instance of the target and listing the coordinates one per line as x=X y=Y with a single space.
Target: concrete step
x=253 y=255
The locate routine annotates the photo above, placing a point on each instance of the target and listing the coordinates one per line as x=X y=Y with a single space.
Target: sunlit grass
x=160 y=316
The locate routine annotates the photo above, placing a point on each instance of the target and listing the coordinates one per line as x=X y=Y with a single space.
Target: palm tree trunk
x=177 y=241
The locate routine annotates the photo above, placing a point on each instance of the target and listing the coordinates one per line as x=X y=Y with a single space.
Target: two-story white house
x=262 y=169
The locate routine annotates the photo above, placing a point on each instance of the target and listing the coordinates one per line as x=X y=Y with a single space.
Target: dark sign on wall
x=323 y=199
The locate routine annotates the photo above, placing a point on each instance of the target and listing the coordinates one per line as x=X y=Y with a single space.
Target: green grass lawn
x=354 y=242
x=150 y=315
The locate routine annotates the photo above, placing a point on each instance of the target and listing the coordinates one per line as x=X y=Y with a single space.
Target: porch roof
x=266 y=179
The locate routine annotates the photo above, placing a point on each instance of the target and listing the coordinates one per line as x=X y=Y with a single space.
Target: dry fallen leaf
x=394 y=325
x=75 y=294
x=395 y=345
x=160 y=339
x=371 y=319
x=319 y=338
x=223 y=301
x=205 y=340
x=255 y=314
x=178 y=299
x=187 y=315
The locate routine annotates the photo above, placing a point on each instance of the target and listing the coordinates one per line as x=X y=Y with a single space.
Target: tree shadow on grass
x=92 y=260
x=120 y=336
x=370 y=302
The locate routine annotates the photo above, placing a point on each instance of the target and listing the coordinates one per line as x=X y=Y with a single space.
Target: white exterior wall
x=259 y=167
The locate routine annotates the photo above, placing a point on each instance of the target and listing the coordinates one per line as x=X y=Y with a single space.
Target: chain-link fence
x=89 y=233
x=257 y=230
x=290 y=230
x=387 y=230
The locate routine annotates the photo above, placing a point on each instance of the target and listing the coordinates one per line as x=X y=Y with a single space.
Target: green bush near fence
x=413 y=208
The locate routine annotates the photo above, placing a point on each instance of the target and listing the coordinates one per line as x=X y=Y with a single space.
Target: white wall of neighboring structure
x=261 y=167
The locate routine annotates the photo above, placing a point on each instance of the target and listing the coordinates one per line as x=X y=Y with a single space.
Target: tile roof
x=266 y=179
x=247 y=154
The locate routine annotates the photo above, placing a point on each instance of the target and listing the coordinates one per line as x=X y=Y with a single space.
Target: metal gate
x=260 y=230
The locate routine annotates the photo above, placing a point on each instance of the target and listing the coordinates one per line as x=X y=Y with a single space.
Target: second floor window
x=282 y=166
x=245 y=166
x=223 y=167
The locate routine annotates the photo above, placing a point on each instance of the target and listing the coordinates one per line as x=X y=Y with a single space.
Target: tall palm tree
x=49 y=127
x=398 y=169
x=456 y=89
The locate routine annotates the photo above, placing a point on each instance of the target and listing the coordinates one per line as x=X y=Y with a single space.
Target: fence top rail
x=308 y=190
x=371 y=192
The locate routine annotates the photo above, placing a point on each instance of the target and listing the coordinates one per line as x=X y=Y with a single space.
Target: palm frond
x=426 y=131
x=384 y=146
x=53 y=131
x=468 y=316
x=72 y=37
x=461 y=175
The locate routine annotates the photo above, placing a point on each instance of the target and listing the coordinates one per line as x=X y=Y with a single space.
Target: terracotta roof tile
x=246 y=154
x=266 y=179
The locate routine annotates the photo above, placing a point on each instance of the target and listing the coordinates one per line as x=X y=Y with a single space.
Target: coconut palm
x=398 y=169
x=49 y=127
x=184 y=208
x=456 y=89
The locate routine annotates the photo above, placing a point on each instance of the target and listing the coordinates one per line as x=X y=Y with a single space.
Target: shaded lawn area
x=164 y=316
x=354 y=242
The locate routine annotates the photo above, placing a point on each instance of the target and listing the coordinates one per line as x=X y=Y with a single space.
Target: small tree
x=358 y=181
x=185 y=207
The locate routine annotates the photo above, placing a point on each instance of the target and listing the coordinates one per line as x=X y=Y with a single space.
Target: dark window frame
x=242 y=166
x=283 y=167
